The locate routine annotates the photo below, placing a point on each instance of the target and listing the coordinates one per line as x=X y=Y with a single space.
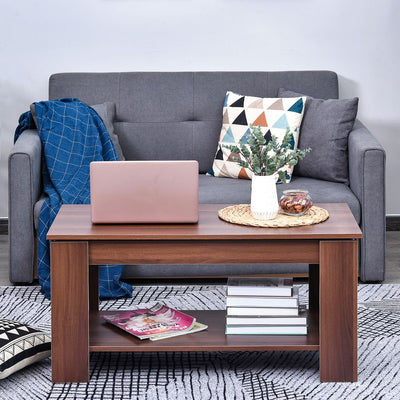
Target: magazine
x=197 y=327
x=147 y=323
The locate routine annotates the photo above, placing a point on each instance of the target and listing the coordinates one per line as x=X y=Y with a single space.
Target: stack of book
x=264 y=306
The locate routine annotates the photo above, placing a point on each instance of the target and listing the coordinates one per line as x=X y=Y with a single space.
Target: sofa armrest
x=367 y=180
x=24 y=188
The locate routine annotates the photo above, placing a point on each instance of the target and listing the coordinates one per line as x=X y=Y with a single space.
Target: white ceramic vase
x=264 y=199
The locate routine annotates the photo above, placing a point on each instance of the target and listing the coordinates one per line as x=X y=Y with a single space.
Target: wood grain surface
x=338 y=311
x=106 y=337
x=73 y=222
x=329 y=247
x=69 y=312
x=224 y=251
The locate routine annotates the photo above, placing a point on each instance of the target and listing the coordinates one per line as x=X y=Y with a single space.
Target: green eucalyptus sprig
x=256 y=157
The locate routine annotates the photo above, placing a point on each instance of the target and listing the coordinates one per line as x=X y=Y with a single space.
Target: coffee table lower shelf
x=106 y=337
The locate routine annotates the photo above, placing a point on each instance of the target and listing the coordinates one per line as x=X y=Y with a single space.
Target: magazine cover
x=148 y=322
x=197 y=327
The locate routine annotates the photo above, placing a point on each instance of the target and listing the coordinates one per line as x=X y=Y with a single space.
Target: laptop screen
x=144 y=191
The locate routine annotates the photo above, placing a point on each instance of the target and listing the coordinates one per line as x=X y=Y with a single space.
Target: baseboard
x=393 y=223
x=3 y=226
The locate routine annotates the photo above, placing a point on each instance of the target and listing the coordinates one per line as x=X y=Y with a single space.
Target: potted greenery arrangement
x=264 y=160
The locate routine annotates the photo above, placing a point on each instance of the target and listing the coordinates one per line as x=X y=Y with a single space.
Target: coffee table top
x=73 y=222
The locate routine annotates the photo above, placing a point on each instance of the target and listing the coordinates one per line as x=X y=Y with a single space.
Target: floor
x=392 y=259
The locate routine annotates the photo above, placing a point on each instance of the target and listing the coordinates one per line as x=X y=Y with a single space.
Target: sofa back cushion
x=325 y=129
x=178 y=115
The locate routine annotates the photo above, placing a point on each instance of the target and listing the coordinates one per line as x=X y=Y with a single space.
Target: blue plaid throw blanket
x=72 y=136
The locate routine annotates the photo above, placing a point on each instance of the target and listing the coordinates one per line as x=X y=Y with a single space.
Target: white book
x=266 y=330
x=262 y=311
x=239 y=320
x=264 y=301
x=260 y=286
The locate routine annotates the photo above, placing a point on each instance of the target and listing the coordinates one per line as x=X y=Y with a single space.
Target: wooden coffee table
x=77 y=247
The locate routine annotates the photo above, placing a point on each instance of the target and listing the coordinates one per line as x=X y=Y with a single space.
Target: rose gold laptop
x=144 y=191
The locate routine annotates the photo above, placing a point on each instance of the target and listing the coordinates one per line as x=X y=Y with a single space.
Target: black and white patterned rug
x=214 y=375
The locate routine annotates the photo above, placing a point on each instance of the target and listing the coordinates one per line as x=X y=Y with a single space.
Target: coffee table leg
x=313 y=287
x=70 y=312
x=338 y=311
x=94 y=288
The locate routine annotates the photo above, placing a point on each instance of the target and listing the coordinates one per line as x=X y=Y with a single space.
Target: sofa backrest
x=178 y=115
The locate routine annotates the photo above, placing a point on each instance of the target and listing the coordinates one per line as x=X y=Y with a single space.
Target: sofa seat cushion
x=237 y=191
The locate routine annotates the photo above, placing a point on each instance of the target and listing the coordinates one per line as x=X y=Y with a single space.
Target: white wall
x=358 y=39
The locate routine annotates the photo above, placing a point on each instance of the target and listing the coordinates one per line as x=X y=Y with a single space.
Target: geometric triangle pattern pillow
x=21 y=345
x=273 y=115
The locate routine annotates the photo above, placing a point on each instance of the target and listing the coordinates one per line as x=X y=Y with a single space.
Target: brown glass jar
x=295 y=202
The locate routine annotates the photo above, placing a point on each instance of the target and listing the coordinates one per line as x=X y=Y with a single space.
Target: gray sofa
x=177 y=115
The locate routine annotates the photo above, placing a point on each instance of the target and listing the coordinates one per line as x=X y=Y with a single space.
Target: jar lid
x=295 y=191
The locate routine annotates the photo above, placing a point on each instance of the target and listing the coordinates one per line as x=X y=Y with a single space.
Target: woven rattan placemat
x=241 y=214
